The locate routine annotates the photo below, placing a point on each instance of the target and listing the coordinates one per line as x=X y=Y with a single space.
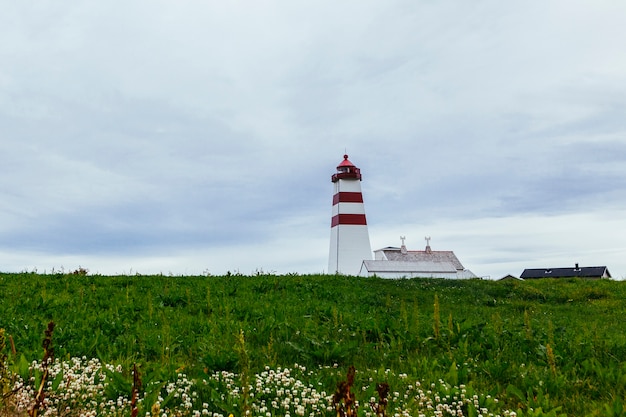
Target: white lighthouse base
x=349 y=247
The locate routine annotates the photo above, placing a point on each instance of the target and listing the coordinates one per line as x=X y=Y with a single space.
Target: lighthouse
x=349 y=238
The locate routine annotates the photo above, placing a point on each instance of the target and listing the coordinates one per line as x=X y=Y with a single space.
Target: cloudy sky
x=191 y=137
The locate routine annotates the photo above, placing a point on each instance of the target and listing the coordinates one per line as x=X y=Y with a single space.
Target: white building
x=392 y=262
x=349 y=237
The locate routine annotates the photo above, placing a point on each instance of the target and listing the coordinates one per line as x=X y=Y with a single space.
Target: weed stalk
x=4 y=372
x=404 y=316
x=135 y=391
x=436 y=318
x=343 y=398
x=380 y=408
x=551 y=359
x=244 y=364
x=48 y=358
x=7 y=379
x=527 y=326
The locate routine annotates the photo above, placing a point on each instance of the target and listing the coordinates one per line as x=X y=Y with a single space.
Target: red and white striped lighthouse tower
x=349 y=238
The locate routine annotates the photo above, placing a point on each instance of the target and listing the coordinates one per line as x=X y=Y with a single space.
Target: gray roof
x=425 y=257
x=581 y=272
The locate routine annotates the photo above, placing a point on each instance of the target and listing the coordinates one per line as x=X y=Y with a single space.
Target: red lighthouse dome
x=346 y=170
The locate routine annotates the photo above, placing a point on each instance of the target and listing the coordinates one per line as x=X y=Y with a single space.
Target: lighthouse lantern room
x=349 y=237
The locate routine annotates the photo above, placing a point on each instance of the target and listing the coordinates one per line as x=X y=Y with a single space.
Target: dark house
x=587 y=272
x=510 y=277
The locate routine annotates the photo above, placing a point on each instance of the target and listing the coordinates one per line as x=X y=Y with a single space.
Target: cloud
x=203 y=135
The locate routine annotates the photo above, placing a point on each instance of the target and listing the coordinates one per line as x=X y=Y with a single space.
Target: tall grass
x=549 y=345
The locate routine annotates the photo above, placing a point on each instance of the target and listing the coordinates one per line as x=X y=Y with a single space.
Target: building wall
x=398 y=275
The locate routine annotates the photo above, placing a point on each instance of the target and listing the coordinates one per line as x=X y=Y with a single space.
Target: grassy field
x=244 y=344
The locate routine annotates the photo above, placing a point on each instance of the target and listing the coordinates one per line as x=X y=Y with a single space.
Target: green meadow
x=534 y=348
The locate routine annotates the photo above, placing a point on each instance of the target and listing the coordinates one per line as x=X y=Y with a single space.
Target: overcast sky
x=191 y=137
